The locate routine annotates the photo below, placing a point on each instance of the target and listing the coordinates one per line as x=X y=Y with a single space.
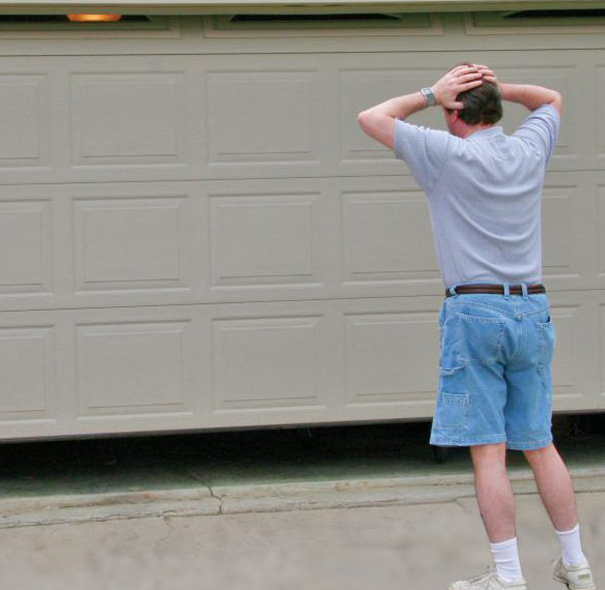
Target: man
x=496 y=345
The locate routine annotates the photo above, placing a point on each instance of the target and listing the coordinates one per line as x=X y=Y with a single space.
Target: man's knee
x=489 y=452
x=536 y=455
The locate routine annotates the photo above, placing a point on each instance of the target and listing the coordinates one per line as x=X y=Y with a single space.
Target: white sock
x=506 y=558
x=570 y=543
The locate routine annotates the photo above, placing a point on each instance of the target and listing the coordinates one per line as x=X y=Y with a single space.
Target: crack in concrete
x=186 y=505
x=158 y=542
x=466 y=506
x=209 y=487
x=220 y=500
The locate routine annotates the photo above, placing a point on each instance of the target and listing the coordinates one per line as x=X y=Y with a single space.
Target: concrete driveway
x=382 y=547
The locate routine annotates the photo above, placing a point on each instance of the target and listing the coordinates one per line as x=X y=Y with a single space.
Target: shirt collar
x=486 y=131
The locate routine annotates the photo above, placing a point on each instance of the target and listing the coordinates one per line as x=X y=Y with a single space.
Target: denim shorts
x=495 y=378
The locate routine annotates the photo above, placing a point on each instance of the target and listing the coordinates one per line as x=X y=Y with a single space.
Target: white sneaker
x=488 y=581
x=575 y=577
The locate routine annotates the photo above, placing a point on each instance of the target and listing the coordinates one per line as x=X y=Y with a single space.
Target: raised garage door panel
x=122 y=369
x=89 y=118
x=142 y=243
x=207 y=240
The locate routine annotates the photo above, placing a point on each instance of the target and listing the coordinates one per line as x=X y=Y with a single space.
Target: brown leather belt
x=496 y=288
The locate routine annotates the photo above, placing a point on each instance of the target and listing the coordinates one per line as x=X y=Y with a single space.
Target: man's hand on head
x=488 y=74
x=461 y=78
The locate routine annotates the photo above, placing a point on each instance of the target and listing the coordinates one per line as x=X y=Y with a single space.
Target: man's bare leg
x=557 y=493
x=497 y=508
x=495 y=495
x=494 y=491
x=555 y=486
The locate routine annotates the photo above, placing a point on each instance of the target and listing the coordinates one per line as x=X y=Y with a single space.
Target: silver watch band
x=428 y=95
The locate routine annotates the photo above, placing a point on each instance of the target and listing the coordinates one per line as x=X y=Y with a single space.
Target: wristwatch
x=428 y=94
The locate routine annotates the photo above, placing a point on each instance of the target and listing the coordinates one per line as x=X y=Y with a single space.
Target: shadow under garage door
x=194 y=233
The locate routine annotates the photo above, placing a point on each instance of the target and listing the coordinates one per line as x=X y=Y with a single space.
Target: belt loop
x=452 y=290
x=506 y=291
x=524 y=290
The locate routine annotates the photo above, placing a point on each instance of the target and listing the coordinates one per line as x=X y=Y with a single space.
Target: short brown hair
x=482 y=104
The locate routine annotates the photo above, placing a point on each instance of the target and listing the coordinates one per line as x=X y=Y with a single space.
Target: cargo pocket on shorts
x=451 y=413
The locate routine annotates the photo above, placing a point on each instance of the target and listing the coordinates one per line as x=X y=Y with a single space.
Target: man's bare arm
x=379 y=121
x=529 y=95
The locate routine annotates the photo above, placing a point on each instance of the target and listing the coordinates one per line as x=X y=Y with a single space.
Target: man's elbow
x=364 y=120
x=377 y=125
x=557 y=101
x=371 y=122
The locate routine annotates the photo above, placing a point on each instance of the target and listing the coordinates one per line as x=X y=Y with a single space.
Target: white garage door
x=194 y=233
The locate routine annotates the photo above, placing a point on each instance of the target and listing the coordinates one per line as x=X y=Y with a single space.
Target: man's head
x=482 y=108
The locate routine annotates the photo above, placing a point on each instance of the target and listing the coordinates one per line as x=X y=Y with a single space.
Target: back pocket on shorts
x=480 y=337
x=546 y=341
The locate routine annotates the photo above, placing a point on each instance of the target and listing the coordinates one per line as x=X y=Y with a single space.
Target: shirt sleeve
x=541 y=128
x=423 y=149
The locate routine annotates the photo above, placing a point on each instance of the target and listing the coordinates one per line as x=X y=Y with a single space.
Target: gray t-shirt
x=484 y=195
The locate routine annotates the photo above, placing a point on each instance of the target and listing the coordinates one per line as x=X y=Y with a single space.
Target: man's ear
x=454 y=114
